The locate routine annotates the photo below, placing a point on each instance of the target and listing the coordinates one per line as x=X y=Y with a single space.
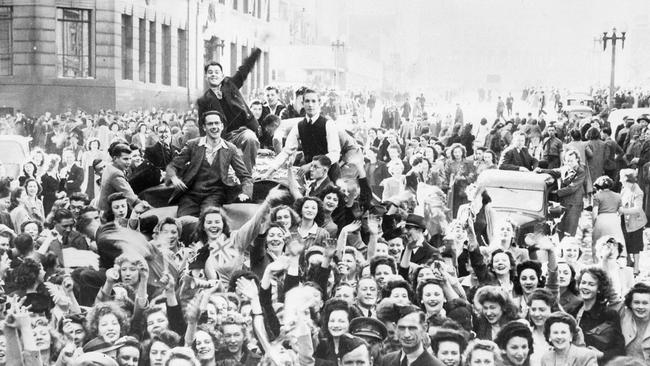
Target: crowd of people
x=154 y=237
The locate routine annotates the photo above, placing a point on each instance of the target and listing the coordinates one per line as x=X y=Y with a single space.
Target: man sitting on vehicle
x=204 y=164
x=517 y=156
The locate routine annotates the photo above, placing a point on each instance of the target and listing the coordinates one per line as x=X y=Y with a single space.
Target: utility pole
x=337 y=46
x=612 y=77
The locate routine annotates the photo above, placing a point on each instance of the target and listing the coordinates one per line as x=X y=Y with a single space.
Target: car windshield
x=516 y=199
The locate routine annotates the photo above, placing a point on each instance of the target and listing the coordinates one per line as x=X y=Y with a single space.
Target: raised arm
x=245 y=68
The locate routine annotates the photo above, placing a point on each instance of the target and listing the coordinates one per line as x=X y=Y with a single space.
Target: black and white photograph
x=324 y=183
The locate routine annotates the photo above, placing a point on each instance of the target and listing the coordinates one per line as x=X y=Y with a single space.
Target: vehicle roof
x=615 y=118
x=577 y=108
x=579 y=96
x=512 y=179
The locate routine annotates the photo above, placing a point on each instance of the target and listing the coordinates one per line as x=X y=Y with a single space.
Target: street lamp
x=336 y=45
x=613 y=38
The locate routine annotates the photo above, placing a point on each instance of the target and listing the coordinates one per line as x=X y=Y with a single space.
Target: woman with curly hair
x=39 y=160
x=482 y=352
x=205 y=345
x=234 y=346
x=108 y=322
x=227 y=249
x=600 y=324
x=530 y=278
x=497 y=309
x=516 y=343
x=157 y=350
x=541 y=303
x=458 y=174
x=400 y=291
x=433 y=294
x=20 y=210
x=561 y=331
x=34 y=203
x=332 y=198
x=310 y=210
x=337 y=315
x=285 y=216
x=635 y=317
x=27 y=280
x=29 y=172
x=606 y=205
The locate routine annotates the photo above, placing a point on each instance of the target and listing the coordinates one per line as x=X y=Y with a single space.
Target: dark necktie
x=404 y=361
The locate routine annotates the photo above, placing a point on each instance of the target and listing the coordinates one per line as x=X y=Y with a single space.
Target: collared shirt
x=210 y=151
x=333 y=141
x=411 y=357
x=312 y=231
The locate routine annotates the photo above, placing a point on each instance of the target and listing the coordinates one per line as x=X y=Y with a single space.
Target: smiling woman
x=636 y=315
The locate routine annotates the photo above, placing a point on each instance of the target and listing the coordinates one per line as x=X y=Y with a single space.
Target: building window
x=166 y=55
x=234 y=4
x=245 y=6
x=73 y=48
x=247 y=83
x=182 y=57
x=6 y=47
x=266 y=68
x=142 y=50
x=152 y=52
x=258 y=9
x=233 y=57
x=127 y=47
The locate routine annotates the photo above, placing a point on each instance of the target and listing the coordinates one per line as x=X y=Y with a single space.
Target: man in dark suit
x=200 y=171
x=74 y=175
x=411 y=334
x=318 y=174
x=517 y=156
x=162 y=152
x=239 y=126
x=570 y=182
x=417 y=247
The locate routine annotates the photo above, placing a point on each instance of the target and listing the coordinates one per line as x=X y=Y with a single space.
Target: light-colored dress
x=606 y=205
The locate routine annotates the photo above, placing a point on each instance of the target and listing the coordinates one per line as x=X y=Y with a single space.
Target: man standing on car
x=239 y=126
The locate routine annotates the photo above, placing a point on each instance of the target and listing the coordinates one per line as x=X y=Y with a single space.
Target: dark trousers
x=569 y=223
x=192 y=203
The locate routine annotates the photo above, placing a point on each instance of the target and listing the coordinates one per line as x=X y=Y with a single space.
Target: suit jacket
x=316 y=191
x=188 y=162
x=424 y=253
x=74 y=179
x=241 y=114
x=578 y=356
x=394 y=359
x=571 y=187
x=513 y=160
x=114 y=180
x=160 y=157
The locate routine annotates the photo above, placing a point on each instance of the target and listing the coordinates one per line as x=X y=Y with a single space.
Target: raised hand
x=247 y=288
x=113 y=274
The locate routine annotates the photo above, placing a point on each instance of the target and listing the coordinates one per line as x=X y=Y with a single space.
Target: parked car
x=520 y=197
x=14 y=153
x=617 y=117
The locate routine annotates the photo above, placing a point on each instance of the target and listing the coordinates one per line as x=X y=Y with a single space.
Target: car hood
x=517 y=218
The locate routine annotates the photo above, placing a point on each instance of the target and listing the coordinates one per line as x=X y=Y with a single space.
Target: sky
x=459 y=43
